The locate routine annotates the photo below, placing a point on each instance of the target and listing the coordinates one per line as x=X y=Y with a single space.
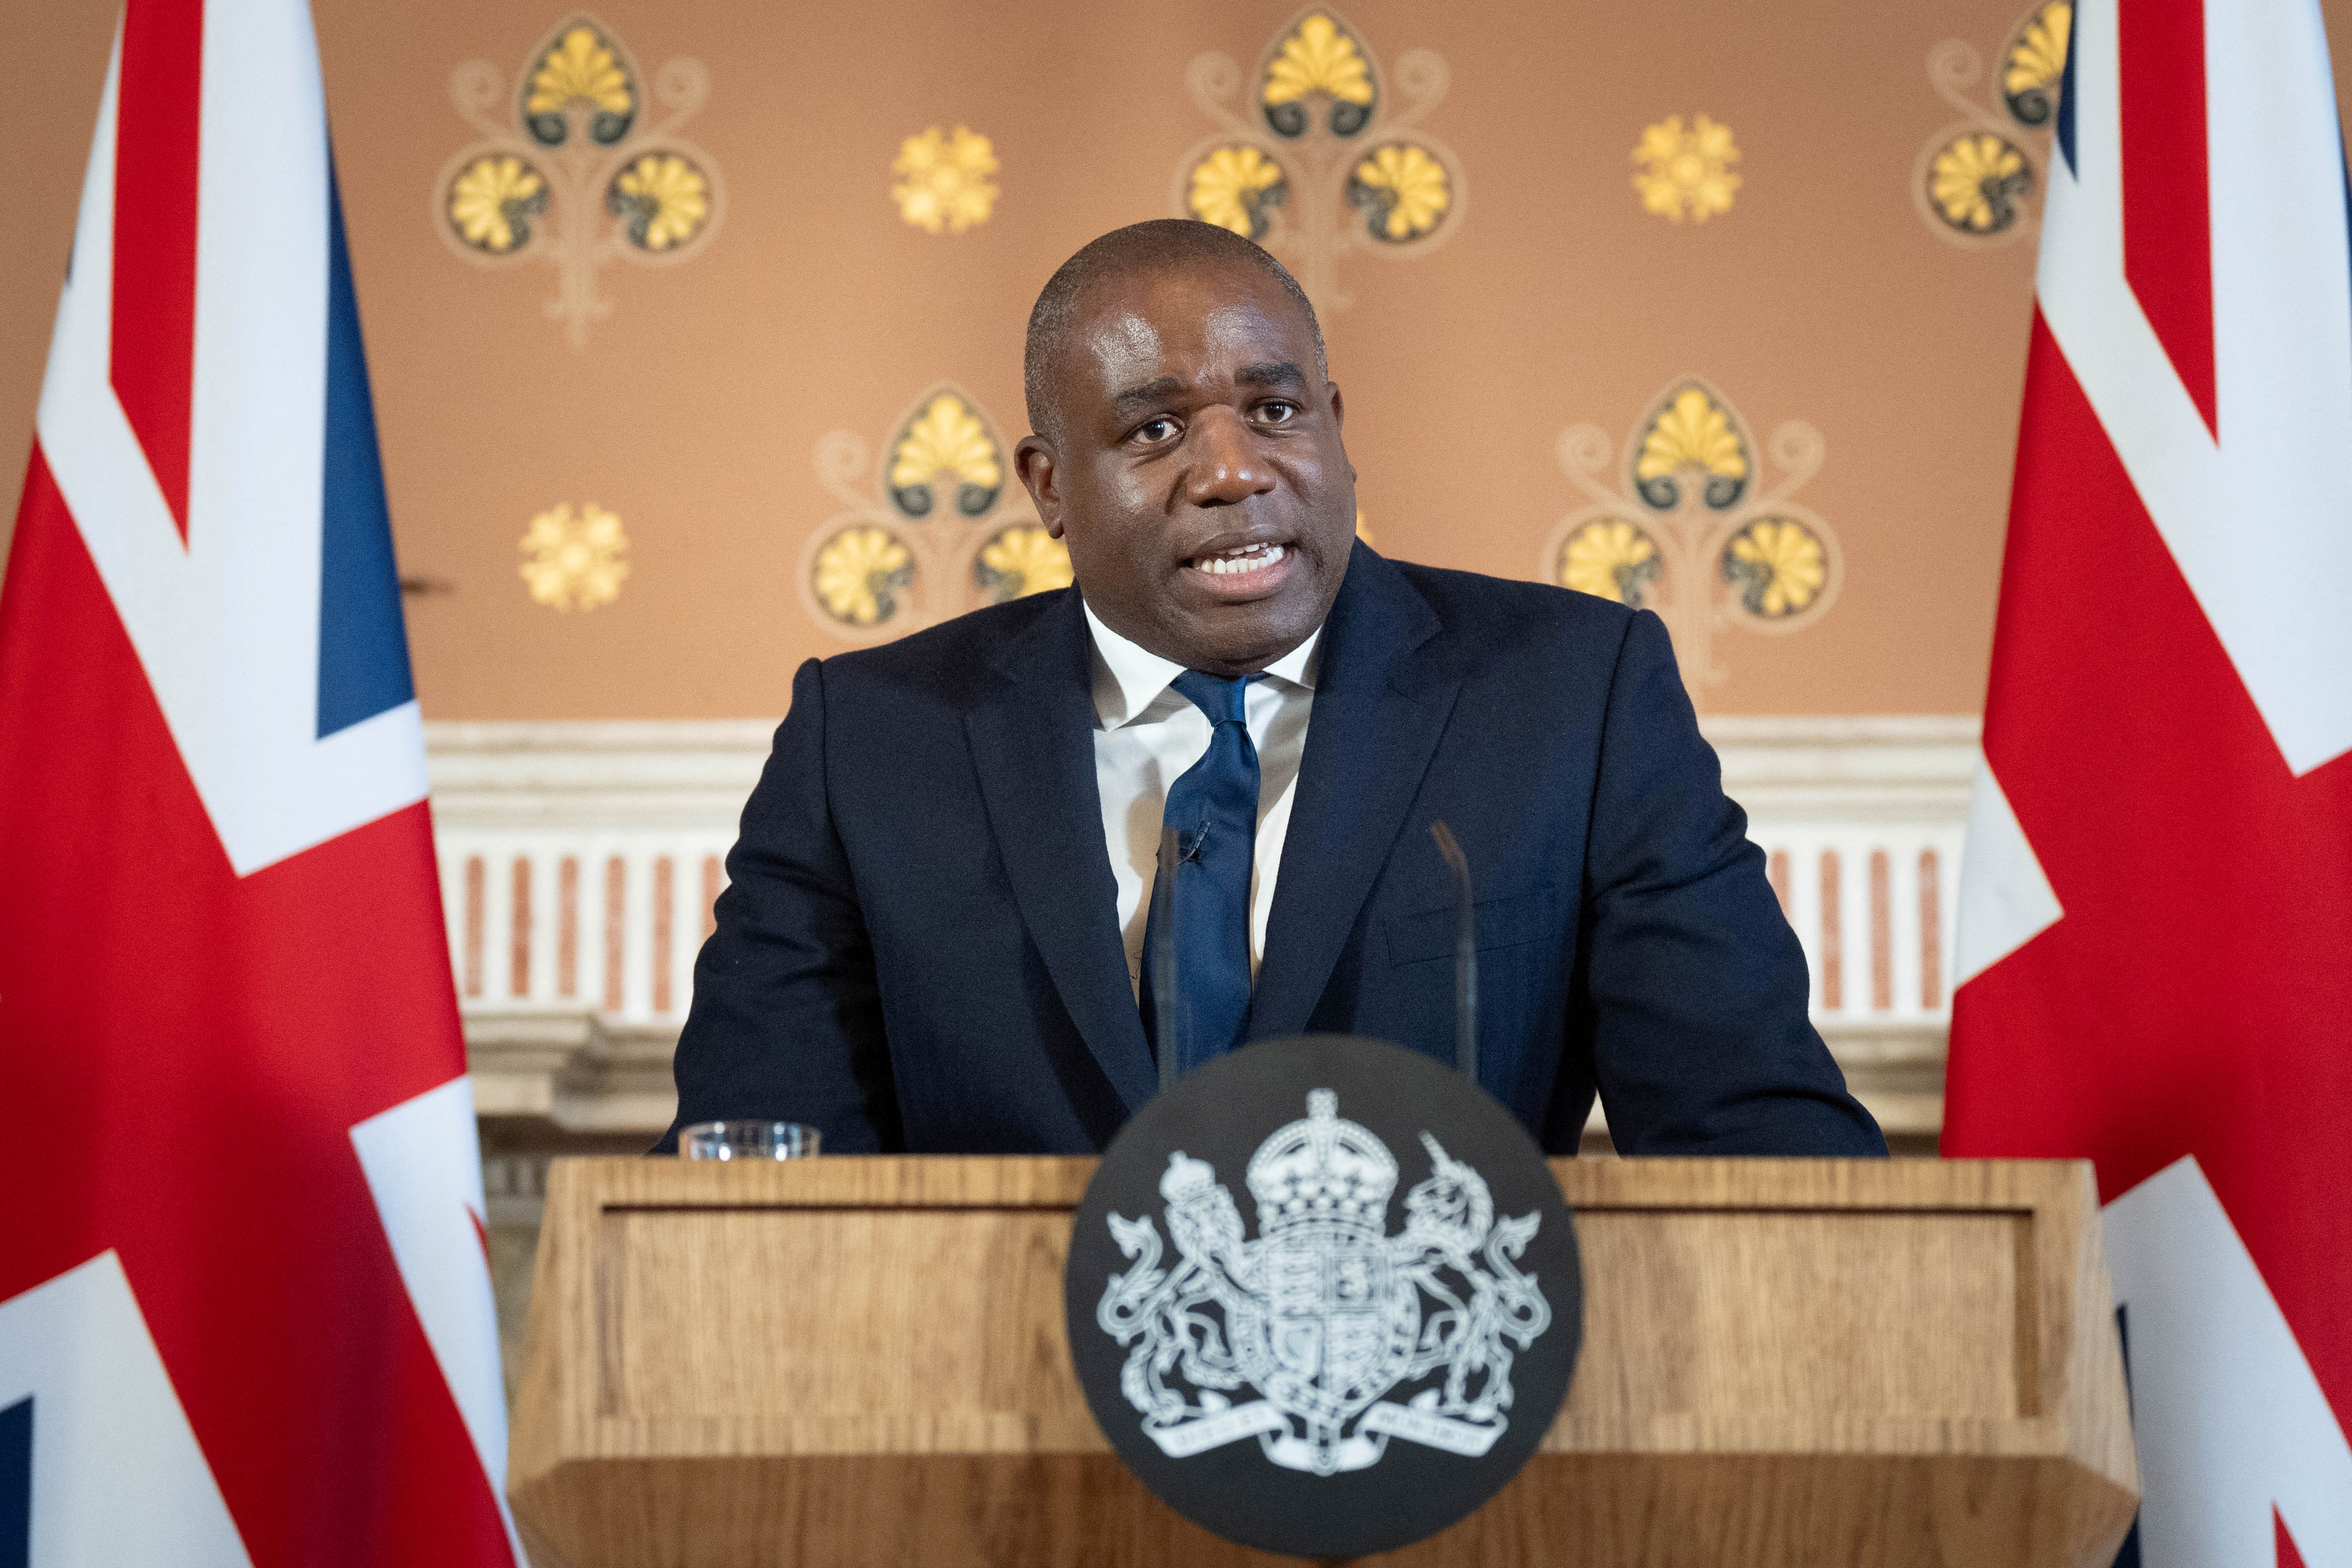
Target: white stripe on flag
x=2229 y=1419
x=2005 y=898
x=117 y=1474
x=425 y=1169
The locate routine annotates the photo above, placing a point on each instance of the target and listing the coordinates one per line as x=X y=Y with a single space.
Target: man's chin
x=1241 y=640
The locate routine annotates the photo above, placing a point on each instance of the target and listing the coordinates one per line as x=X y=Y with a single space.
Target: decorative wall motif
x=1316 y=159
x=944 y=184
x=1689 y=529
x=1979 y=181
x=1685 y=173
x=570 y=171
x=573 y=560
x=937 y=527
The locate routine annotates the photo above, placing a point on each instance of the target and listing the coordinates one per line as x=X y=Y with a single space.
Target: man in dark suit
x=939 y=935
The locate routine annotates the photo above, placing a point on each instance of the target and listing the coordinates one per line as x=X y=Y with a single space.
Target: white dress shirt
x=1148 y=734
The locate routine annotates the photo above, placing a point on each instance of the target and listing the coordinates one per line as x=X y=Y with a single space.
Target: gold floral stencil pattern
x=662 y=199
x=1778 y=563
x=1318 y=57
x=946 y=181
x=1688 y=530
x=574 y=560
x=2035 y=62
x=1404 y=189
x=1235 y=187
x=1022 y=559
x=1691 y=430
x=946 y=439
x=1612 y=558
x=931 y=530
x=1315 y=158
x=494 y=200
x=1976 y=181
x=1685 y=173
x=860 y=573
x=581 y=67
x=576 y=177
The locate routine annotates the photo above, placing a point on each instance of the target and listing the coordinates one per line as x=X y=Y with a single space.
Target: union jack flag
x=2156 y=920
x=245 y=1313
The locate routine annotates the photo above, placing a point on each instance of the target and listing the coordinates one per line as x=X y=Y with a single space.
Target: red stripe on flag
x=155 y=154
x=2168 y=216
x=2288 y=1557
x=2191 y=999
x=221 y=1035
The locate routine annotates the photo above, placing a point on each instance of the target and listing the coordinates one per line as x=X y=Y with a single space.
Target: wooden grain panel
x=815 y=1313
x=1720 y=1313
x=1563 y=1512
x=1789 y=1363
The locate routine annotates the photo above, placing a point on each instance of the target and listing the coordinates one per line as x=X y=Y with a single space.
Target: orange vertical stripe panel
x=1931 y=934
x=616 y=887
x=519 y=946
x=664 y=880
x=1882 y=933
x=475 y=879
x=567 y=927
x=1832 y=937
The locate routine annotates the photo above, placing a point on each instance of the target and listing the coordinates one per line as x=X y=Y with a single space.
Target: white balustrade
x=579 y=861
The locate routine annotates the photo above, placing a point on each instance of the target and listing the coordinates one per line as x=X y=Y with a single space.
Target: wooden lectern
x=1787 y=1363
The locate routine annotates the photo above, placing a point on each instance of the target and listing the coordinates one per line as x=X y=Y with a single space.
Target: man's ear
x=1339 y=419
x=1032 y=459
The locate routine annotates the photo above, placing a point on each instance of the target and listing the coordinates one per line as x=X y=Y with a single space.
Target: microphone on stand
x=1465 y=956
x=1163 y=990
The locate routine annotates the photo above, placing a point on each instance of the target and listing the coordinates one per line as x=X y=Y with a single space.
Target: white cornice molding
x=1873 y=767
x=674 y=773
x=698 y=771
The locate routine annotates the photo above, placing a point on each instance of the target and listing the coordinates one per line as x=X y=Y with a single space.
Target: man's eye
x=1154 y=431
x=1277 y=412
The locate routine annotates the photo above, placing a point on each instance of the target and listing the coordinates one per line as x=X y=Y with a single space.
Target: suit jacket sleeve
x=1691 y=990
x=787 y=1017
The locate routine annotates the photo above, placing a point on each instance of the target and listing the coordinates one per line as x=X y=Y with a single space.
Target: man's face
x=1198 y=476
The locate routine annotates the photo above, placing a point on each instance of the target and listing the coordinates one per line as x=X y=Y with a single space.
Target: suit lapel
x=1379 y=707
x=1032 y=744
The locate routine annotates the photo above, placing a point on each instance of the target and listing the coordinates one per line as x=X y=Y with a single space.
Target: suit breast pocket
x=1514 y=920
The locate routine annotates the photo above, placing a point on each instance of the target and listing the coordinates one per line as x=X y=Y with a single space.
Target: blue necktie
x=1213 y=810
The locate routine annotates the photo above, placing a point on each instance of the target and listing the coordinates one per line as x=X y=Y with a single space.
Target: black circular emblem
x=1324 y=1296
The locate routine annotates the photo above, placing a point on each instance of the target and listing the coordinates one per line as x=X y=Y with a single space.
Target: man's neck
x=1135 y=675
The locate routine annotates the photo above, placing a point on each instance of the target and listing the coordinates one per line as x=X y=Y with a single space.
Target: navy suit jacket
x=920 y=950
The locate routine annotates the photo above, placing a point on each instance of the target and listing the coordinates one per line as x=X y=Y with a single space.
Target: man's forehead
x=1126 y=338
x=1135 y=332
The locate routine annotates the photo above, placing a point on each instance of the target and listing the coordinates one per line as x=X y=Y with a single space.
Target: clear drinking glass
x=747 y=1140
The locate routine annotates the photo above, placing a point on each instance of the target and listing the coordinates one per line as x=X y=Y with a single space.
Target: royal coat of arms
x=1298 y=1338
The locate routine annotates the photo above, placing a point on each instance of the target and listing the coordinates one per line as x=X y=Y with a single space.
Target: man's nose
x=1227 y=466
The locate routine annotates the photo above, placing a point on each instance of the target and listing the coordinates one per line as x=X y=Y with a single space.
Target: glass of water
x=747 y=1140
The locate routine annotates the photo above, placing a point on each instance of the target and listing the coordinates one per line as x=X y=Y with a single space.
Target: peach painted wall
x=694 y=410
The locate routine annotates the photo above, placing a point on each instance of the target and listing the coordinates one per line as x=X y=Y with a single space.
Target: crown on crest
x=1322 y=1171
x=1186 y=1178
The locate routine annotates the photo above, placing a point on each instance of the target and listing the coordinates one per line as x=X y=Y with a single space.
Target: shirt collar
x=1129 y=679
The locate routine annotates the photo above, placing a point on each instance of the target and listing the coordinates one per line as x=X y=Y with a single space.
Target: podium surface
x=1787 y=1363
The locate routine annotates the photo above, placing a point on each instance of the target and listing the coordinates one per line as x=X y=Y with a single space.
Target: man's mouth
x=1240 y=561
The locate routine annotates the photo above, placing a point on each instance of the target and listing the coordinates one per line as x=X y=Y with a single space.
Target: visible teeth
x=1243 y=558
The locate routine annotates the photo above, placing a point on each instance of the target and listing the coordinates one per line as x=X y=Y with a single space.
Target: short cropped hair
x=1161 y=245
